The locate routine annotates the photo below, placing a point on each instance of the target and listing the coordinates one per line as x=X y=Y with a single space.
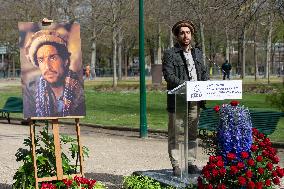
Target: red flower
x=276 y=181
x=249 y=173
x=242 y=181
x=265 y=153
x=255 y=131
x=219 y=158
x=260 y=135
x=269 y=166
x=215 y=173
x=221 y=186
x=271 y=150
x=267 y=142
x=212 y=166
x=222 y=171
x=280 y=172
x=274 y=173
x=47 y=186
x=234 y=170
x=212 y=159
x=207 y=175
x=261 y=144
x=234 y=103
x=210 y=186
x=244 y=155
x=220 y=163
x=258 y=185
x=251 y=162
x=67 y=182
x=259 y=158
x=251 y=185
x=260 y=170
x=268 y=182
x=241 y=165
x=253 y=148
x=216 y=108
x=275 y=159
x=231 y=156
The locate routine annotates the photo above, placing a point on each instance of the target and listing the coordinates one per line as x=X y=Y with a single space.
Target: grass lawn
x=121 y=107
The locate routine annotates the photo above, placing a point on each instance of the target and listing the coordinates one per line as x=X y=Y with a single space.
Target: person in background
x=88 y=72
x=226 y=69
x=179 y=64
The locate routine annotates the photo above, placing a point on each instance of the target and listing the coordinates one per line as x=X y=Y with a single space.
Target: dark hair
x=61 y=50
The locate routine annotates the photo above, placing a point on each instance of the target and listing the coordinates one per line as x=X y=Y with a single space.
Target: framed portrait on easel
x=52 y=71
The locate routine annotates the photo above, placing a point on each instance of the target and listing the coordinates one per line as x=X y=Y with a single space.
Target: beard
x=185 y=42
x=54 y=78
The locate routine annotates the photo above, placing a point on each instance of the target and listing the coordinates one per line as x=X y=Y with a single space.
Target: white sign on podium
x=214 y=90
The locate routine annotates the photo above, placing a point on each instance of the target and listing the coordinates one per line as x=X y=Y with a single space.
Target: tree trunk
x=14 y=68
x=255 y=54
x=159 y=50
x=126 y=56
x=114 y=56
x=244 y=53
x=202 y=42
x=268 y=51
x=152 y=55
x=119 y=56
x=227 y=45
x=171 y=38
x=9 y=70
x=93 y=59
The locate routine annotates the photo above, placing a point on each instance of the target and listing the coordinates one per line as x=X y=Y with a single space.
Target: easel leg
x=32 y=135
x=79 y=146
x=57 y=147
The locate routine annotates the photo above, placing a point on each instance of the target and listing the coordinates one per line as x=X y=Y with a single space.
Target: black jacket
x=175 y=70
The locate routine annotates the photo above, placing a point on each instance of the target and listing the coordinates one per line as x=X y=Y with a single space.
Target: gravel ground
x=113 y=154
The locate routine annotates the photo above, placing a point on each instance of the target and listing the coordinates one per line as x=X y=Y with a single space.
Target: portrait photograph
x=52 y=71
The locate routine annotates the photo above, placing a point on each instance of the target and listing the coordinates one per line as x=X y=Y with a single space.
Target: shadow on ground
x=110 y=180
x=5 y=186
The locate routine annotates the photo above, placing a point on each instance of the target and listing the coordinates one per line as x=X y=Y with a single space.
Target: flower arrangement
x=76 y=183
x=234 y=132
x=244 y=158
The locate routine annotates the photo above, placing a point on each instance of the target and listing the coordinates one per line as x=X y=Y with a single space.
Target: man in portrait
x=58 y=90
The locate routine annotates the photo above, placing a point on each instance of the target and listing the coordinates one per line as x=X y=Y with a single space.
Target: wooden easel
x=57 y=147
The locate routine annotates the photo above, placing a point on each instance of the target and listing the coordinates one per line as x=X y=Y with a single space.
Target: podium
x=191 y=92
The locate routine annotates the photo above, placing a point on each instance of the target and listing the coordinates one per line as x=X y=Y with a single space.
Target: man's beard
x=60 y=82
x=185 y=44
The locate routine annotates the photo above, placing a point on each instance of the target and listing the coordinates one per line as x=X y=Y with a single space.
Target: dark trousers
x=226 y=74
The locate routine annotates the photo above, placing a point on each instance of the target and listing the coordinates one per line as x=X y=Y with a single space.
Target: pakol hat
x=183 y=23
x=41 y=37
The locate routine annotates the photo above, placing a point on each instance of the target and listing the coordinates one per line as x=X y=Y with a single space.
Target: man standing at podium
x=183 y=63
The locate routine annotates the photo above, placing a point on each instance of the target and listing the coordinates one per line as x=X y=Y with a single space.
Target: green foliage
x=276 y=100
x=141 y=182
x=46 y=164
